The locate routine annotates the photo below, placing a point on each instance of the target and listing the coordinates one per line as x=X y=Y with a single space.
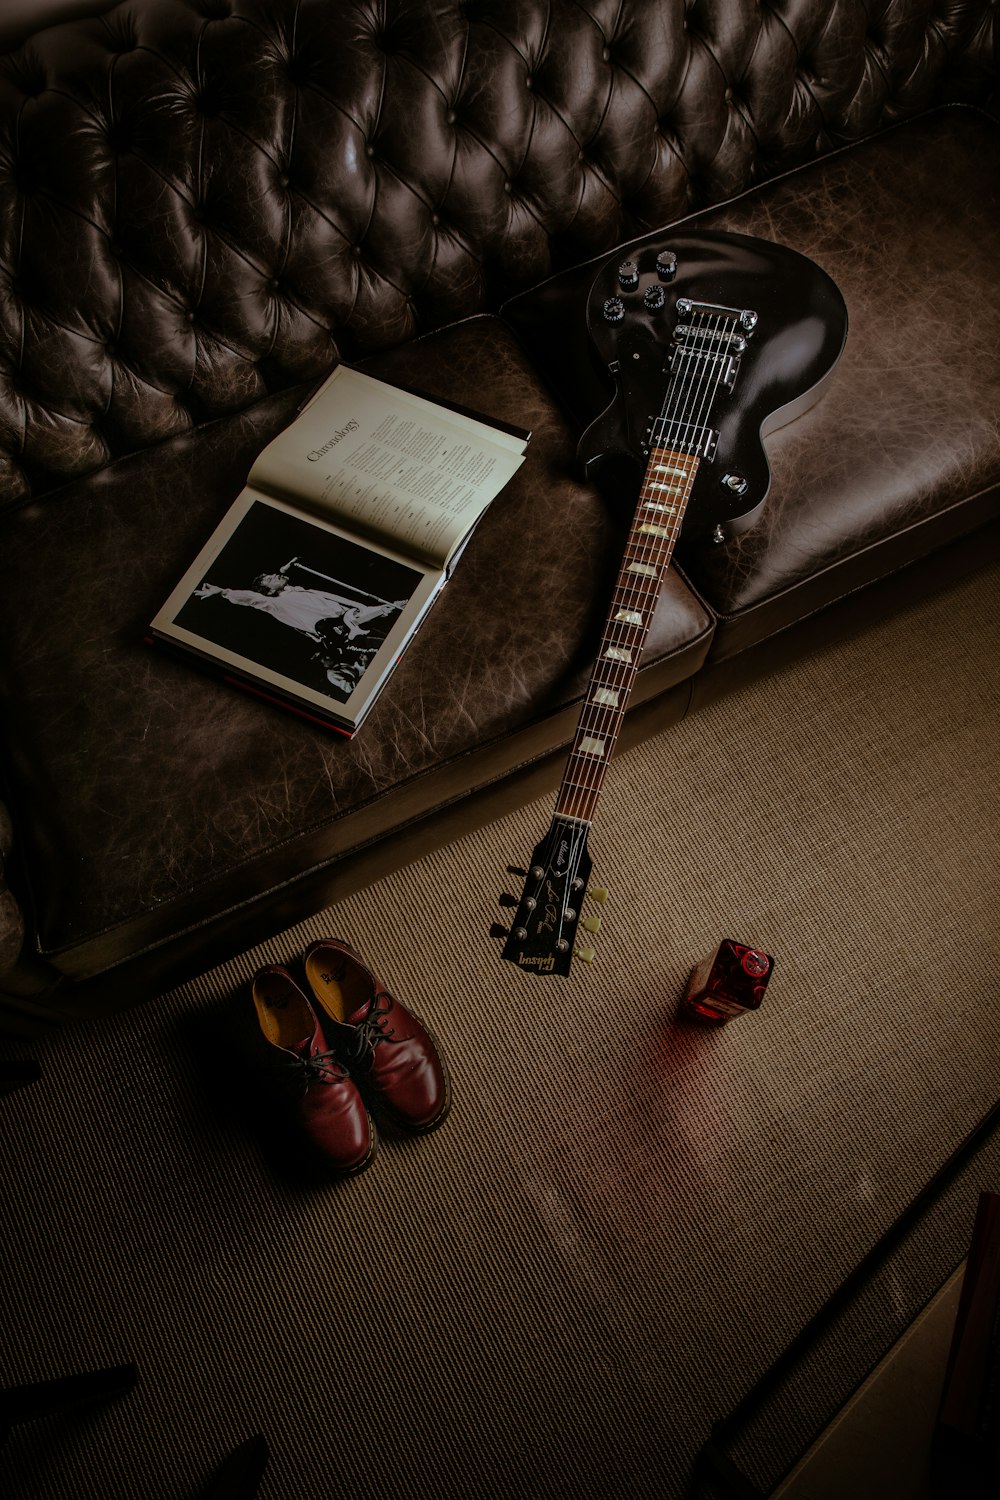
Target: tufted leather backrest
x=202 y=201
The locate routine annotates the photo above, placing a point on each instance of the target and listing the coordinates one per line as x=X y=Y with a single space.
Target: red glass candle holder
x=728 y=983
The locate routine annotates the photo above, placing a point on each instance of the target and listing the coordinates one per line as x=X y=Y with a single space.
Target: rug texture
x=627 y=1216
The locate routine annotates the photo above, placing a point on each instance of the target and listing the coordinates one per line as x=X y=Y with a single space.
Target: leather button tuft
x=435 y=219
x=451 y=117
x=283 y=180
x=119 y=137
x=369 y=150
x=529 y=83
x=606 y=54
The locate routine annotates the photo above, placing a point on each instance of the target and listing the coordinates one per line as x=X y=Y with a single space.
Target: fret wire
x=585 y=772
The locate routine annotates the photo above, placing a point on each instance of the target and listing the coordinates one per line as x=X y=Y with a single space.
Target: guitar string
x=681 y=407
x=687 y=404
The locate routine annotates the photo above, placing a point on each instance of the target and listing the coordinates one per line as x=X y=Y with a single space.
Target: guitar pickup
x=723 y=366
x=684 y=437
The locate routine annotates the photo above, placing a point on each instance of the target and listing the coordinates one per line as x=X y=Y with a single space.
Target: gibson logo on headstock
x=543 y=962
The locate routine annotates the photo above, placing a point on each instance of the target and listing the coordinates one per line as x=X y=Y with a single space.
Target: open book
x=350 y=524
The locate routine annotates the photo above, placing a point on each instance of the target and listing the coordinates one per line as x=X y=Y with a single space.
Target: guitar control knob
x=735 y=483
x=653 y=298
x=666 y=265
x=628 y=275
x=614 y=310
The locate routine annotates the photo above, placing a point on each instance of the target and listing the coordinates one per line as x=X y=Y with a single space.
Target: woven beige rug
x=626 y=1217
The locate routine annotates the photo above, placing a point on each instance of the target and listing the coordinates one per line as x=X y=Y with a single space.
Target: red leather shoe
x=331 y=1110
x=387 y=1046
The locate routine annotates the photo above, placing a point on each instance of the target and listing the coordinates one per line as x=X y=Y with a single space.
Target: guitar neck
x=659 y=513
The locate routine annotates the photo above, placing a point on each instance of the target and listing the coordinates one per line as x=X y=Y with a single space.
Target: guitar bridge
x=745 y=317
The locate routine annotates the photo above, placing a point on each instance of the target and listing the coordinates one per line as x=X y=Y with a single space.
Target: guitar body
x=789 y=357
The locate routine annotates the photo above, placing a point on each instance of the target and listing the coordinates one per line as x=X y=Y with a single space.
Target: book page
x=290 y=602
x=405 y=471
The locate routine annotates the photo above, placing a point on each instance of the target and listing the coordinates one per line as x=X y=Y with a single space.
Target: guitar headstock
x=548 y=928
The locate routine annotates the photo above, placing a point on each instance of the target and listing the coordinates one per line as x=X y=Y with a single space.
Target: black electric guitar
x=712 y=340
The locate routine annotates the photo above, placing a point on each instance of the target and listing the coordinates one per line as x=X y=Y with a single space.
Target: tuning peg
x=591 y=924
x=507 y=900
x=516 y=870
x=598 y=893
x=586 y=955
x=499 y=931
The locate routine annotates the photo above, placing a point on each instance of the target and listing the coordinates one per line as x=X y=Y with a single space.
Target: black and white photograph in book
x=299 y=600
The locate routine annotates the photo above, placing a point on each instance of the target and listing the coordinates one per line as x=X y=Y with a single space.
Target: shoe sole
x=365 y=1163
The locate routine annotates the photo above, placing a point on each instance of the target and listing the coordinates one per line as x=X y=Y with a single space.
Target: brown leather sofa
x=206 y=203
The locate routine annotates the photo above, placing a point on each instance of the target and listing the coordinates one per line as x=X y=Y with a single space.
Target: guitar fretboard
x=666 y=488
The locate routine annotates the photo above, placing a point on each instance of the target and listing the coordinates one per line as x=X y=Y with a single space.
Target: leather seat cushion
x=902 y=454
x=150 y=797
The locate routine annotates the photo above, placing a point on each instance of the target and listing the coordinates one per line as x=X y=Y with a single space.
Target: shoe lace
x=375 y=1027
x=323 y=1066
